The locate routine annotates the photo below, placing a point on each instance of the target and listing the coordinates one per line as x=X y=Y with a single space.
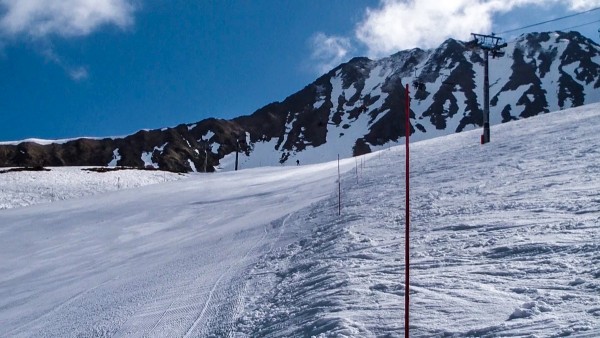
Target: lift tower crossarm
x=489 y=44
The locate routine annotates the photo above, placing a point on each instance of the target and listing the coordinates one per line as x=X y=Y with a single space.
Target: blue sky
x=74 y=68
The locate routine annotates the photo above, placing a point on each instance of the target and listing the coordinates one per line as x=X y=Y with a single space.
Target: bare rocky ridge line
x=358 y=106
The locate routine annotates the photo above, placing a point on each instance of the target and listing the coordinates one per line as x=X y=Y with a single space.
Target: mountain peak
x=358 y=107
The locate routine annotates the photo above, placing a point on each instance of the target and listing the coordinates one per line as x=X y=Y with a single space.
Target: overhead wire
x=561 y=29
x=551 y=20
x=581 y=25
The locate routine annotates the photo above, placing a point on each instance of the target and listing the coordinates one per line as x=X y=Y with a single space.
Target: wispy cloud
x=38 y=22
x=328 y=51
x=67 y=18
x=76 y=73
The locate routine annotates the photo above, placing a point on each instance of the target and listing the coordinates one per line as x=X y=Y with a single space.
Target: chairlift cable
x=581 y=25
x=547 y=21
x=561 y=29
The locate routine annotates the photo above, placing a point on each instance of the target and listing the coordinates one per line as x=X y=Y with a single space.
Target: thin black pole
x=356 y=163
x=205 y=160
x=486 y=98
x=237 y=151
x=489 y=43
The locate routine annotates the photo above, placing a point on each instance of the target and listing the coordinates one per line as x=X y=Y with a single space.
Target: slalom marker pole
x=407 y=218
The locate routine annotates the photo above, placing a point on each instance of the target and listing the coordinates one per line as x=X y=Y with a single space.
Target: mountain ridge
x=356 y=108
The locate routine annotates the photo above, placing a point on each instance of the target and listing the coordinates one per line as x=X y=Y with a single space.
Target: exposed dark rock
x=540 y=73
x=506 y=117
x=360 y=148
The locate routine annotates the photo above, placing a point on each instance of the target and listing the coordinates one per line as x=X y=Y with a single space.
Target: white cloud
x=39 y=21
x=66 y=18
x=78 y=73
x=328 y=51
x=582 y=5
x=404 y=24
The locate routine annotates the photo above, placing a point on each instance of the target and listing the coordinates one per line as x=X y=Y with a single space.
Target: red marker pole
x=407 y=235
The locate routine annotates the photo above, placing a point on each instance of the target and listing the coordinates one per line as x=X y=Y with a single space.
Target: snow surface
x=46 y=142
x=505 y=242
x=116 y=158
x=192 y=165
x=147 y=157
x=20 y=189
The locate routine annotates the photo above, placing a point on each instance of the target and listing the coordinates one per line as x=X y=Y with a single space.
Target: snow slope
x=160 y=260
x=18 y=189
x=506 y=242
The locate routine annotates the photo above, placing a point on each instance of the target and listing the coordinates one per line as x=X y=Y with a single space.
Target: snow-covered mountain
x=358 y=107
x=505 y=242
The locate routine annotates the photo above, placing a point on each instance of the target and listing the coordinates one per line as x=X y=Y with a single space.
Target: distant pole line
x=356 y=162
x=548 y=21
x=339 y=189
x=407 y=218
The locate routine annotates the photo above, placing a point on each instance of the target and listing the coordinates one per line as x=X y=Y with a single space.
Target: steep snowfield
x=505 y=242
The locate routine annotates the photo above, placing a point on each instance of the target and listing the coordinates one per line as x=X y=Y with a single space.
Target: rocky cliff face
x=358 y=107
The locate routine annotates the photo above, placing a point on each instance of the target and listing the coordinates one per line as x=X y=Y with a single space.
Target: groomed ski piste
x=505 y=242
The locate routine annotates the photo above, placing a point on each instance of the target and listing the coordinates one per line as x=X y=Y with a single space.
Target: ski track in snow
x=173 y=256
x=509 y=246
x=505 y=242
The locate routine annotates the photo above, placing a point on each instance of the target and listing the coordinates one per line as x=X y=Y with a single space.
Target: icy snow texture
x=505 y=242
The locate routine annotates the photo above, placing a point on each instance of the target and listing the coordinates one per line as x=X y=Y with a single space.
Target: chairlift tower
x=238 y=139
x=489 y=44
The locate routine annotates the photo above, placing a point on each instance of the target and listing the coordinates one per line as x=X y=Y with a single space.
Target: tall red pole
x=407 y=235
